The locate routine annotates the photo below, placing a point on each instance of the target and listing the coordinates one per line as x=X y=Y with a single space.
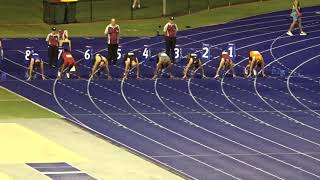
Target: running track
x=202 y=129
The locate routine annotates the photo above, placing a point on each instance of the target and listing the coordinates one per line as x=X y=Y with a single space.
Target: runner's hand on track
x=184 y=77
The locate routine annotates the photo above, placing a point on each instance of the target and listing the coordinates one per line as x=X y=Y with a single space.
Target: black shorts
x=259 y=65
x=196 y=65
x=37 y=65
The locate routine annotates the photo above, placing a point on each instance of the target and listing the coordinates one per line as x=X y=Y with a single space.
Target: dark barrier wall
x=98 y=10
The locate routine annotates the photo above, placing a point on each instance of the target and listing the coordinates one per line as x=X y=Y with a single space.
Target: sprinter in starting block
x=226 y=63
x=130 y=62
x=256 y=62
x=36 y=64
x=100 y=64
x=163 y=62
x=193 y=61
x=69 y=65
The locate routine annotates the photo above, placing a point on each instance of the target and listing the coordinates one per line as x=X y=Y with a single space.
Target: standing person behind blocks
x=64 y=38
x=136 y=4
x=170 y=33
x=112 y=32
x=53 y=47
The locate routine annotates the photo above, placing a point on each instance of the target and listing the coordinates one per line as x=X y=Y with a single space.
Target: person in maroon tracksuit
x=53 y=47
x=170 y=33
x=112 y=32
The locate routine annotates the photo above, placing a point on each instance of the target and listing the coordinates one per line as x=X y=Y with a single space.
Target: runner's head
x=113 y=21
x=53 y=30
x=171 y=19
x=225 y=53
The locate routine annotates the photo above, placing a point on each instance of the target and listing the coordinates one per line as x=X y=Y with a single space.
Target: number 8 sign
x=28 y=52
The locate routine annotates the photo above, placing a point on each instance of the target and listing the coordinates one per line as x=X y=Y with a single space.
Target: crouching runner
x=225 y=64
x=69 y=63
x=163 y=62
x=193 y=62
x=100 y=64
x=130 y=62
x=36 y=64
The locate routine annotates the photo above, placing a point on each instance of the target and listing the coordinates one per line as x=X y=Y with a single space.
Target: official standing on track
x=53 y=47
x=296 y=16
x=112 y=32
x=170 y=32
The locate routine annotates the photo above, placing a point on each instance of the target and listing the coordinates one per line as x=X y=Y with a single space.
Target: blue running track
x=232 y=128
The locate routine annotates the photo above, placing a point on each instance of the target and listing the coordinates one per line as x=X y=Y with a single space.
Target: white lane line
x=232 y=124
x=286 y=15
x=293 y=42
x=38 y=73
x=25 y=82
x=198 y=112
x=240 y=32
x=291 y=94
x=26 y=99
x=241 y=129
x=280 y=37
x=225 y=138
x=191 y=140
x=289 y=88
x=255 y=80
x=269 y=125
x=116 y=123
x=248 y=37
x=179 y=152
x=236 y=154
x=78 y=122
x=228 y=28
x=267 y=103
x=276 y=48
